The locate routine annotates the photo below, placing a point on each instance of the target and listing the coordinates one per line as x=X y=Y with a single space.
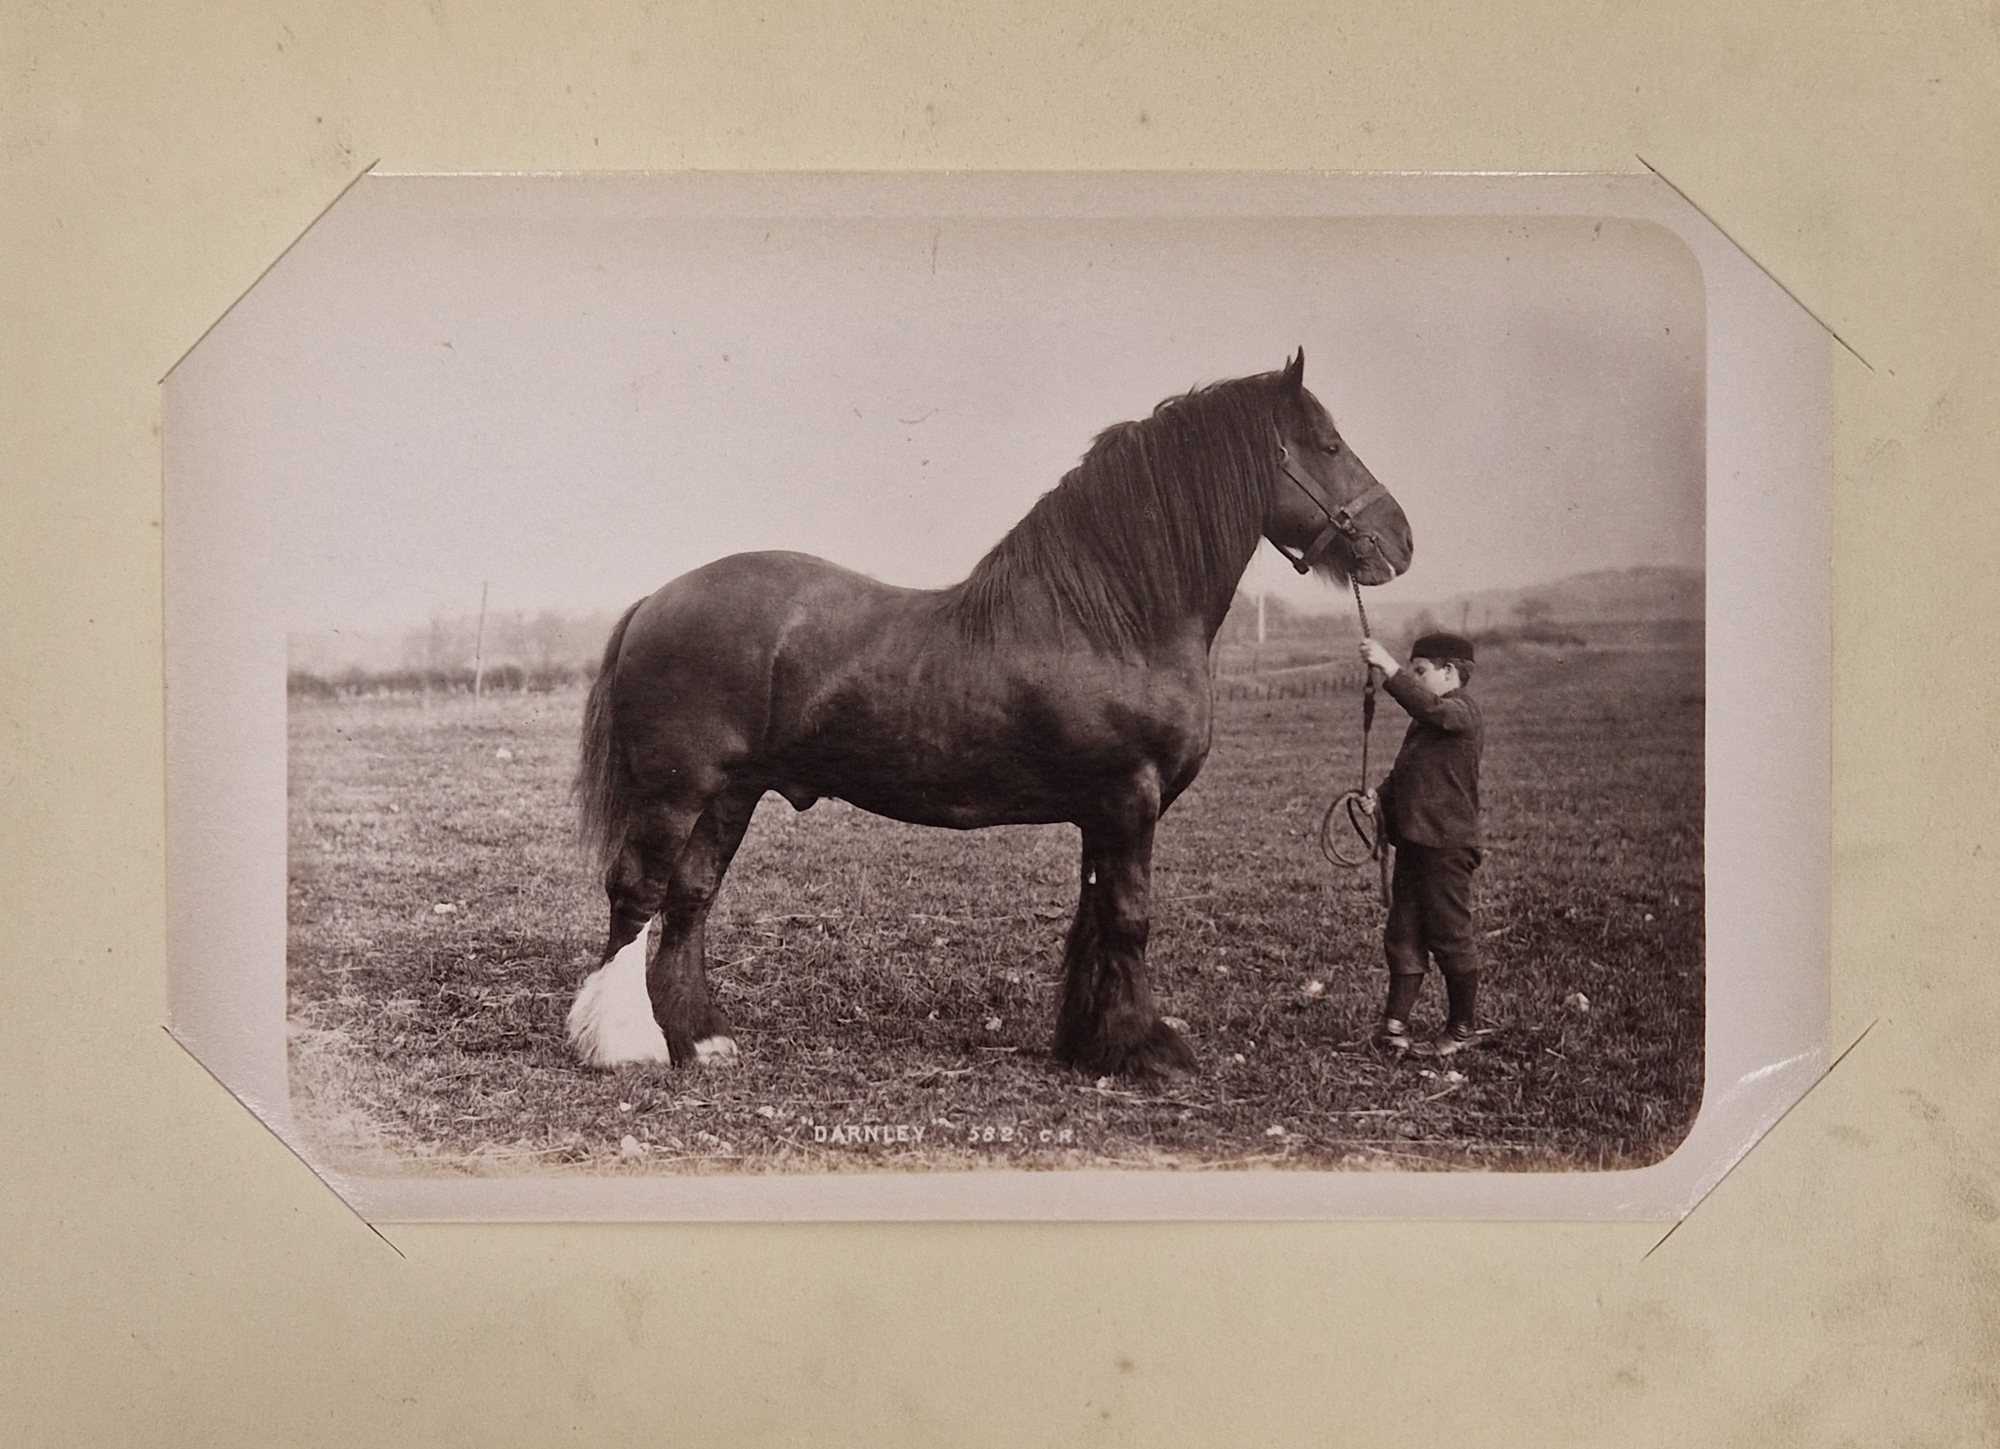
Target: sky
x=569 y=391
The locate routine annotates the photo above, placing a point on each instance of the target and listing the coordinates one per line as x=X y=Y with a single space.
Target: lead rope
x=1362 y=823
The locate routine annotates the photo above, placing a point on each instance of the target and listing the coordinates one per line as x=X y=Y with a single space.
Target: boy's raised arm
x=1376 y=657
x=1446 y=713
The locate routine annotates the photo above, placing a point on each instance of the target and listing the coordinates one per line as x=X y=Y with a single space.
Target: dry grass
x=865 y=964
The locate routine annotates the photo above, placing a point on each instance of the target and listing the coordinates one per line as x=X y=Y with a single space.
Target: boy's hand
x=1368 y=803
x=1375 y=656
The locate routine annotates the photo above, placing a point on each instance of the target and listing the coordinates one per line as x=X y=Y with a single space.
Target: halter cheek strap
x=1313 y=552
x=1339 y=522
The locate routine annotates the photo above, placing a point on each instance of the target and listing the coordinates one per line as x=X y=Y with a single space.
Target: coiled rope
x=1362 y=841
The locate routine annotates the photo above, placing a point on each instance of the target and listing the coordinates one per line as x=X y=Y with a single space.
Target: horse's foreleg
x=1108 y=1022
x=677 y=980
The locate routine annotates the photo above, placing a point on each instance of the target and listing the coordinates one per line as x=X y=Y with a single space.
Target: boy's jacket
x=1432 y=794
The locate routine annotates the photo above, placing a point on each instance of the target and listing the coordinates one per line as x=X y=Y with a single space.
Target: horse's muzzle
x=1371 y=563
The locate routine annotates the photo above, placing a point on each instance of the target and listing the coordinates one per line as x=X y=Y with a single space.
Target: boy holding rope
x=1428 y=809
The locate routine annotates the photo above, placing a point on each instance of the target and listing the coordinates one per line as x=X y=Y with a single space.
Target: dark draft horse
x=1066 y=679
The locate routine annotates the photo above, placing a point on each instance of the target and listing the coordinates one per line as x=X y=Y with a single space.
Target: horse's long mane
x=1160 y=515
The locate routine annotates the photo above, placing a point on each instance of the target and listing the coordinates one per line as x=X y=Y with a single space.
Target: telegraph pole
x=479 y=645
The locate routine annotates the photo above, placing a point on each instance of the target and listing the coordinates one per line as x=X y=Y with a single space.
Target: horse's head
x=1326 y=511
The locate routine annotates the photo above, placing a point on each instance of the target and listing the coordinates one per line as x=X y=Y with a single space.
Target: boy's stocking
x=1461 y=989
x=1403 y=992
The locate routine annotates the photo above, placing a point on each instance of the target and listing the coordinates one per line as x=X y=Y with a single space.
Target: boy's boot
x=1461 y=988
x=1393 y=1035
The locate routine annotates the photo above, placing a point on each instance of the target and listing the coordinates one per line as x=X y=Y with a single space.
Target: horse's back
x=738 y=606
x=692 y=694
x=782 y=671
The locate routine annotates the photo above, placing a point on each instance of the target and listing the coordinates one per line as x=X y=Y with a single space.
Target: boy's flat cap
x=1446 y=647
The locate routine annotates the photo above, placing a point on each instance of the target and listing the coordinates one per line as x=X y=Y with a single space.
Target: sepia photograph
x=1044 y=724
x=782 y=689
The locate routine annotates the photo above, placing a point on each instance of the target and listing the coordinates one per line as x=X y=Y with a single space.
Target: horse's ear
x=1295 y=371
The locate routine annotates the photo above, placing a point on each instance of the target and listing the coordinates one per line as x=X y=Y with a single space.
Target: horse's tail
x=603 y=791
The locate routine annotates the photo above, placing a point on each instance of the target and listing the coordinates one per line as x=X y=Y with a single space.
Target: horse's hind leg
x=612 y=1021
x=671 y=865
x=677 y=981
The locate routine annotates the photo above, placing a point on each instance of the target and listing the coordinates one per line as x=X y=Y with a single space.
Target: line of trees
x=549 y=650
x=538 y=643
x=444 y=679
x=520 y=651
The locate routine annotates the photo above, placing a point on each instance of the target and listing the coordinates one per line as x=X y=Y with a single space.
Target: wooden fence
x=1301 y=681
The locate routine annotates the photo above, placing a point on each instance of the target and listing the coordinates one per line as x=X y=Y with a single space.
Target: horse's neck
x=1023 y=586
x=1213 y=611
x=1202 y=606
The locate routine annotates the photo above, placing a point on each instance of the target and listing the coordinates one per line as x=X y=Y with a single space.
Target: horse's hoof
x=620 y=1046
x=611 y=1022
x=1163 y=1053
x=1159 y=1052
x=715 y=1051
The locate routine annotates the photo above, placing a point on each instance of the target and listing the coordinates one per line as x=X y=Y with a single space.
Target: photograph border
x=1767 y=863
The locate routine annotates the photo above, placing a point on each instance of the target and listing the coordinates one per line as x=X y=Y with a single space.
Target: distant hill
x=1646 y=595
x=1603 y=603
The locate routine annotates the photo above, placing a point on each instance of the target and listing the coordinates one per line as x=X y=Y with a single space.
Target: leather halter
x=1339 y=521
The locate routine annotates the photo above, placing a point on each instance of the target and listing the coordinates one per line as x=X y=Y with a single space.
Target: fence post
x=479 y=644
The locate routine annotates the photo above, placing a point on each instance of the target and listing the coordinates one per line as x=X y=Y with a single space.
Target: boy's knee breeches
x=1430 y=911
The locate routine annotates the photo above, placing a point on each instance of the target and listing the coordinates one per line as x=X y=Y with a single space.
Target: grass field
x=889 y=977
